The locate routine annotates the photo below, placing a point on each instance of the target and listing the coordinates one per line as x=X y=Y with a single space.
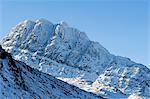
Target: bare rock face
x=2 y=53
x=69 y=55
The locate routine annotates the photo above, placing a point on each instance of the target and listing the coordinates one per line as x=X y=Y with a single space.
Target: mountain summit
x=69 y=55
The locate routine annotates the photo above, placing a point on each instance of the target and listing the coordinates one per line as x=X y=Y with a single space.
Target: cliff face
x=17 y=80
x=69 y=55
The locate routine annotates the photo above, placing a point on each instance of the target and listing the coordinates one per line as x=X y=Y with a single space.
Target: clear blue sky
x=121 y=26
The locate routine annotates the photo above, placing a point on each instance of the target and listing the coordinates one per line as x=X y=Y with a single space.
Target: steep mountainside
x=19 y=81
x=69 y=55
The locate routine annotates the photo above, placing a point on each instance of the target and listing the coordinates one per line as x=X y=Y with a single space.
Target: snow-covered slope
x=19 y=81
x=69 y=55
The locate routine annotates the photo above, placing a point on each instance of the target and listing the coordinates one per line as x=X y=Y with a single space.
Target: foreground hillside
x=19 y=81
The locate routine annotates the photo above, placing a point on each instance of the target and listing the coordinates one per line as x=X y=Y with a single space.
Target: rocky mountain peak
x=68 y=54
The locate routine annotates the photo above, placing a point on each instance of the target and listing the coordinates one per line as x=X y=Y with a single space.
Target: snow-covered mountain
x=19 y=81
x=69 y=55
